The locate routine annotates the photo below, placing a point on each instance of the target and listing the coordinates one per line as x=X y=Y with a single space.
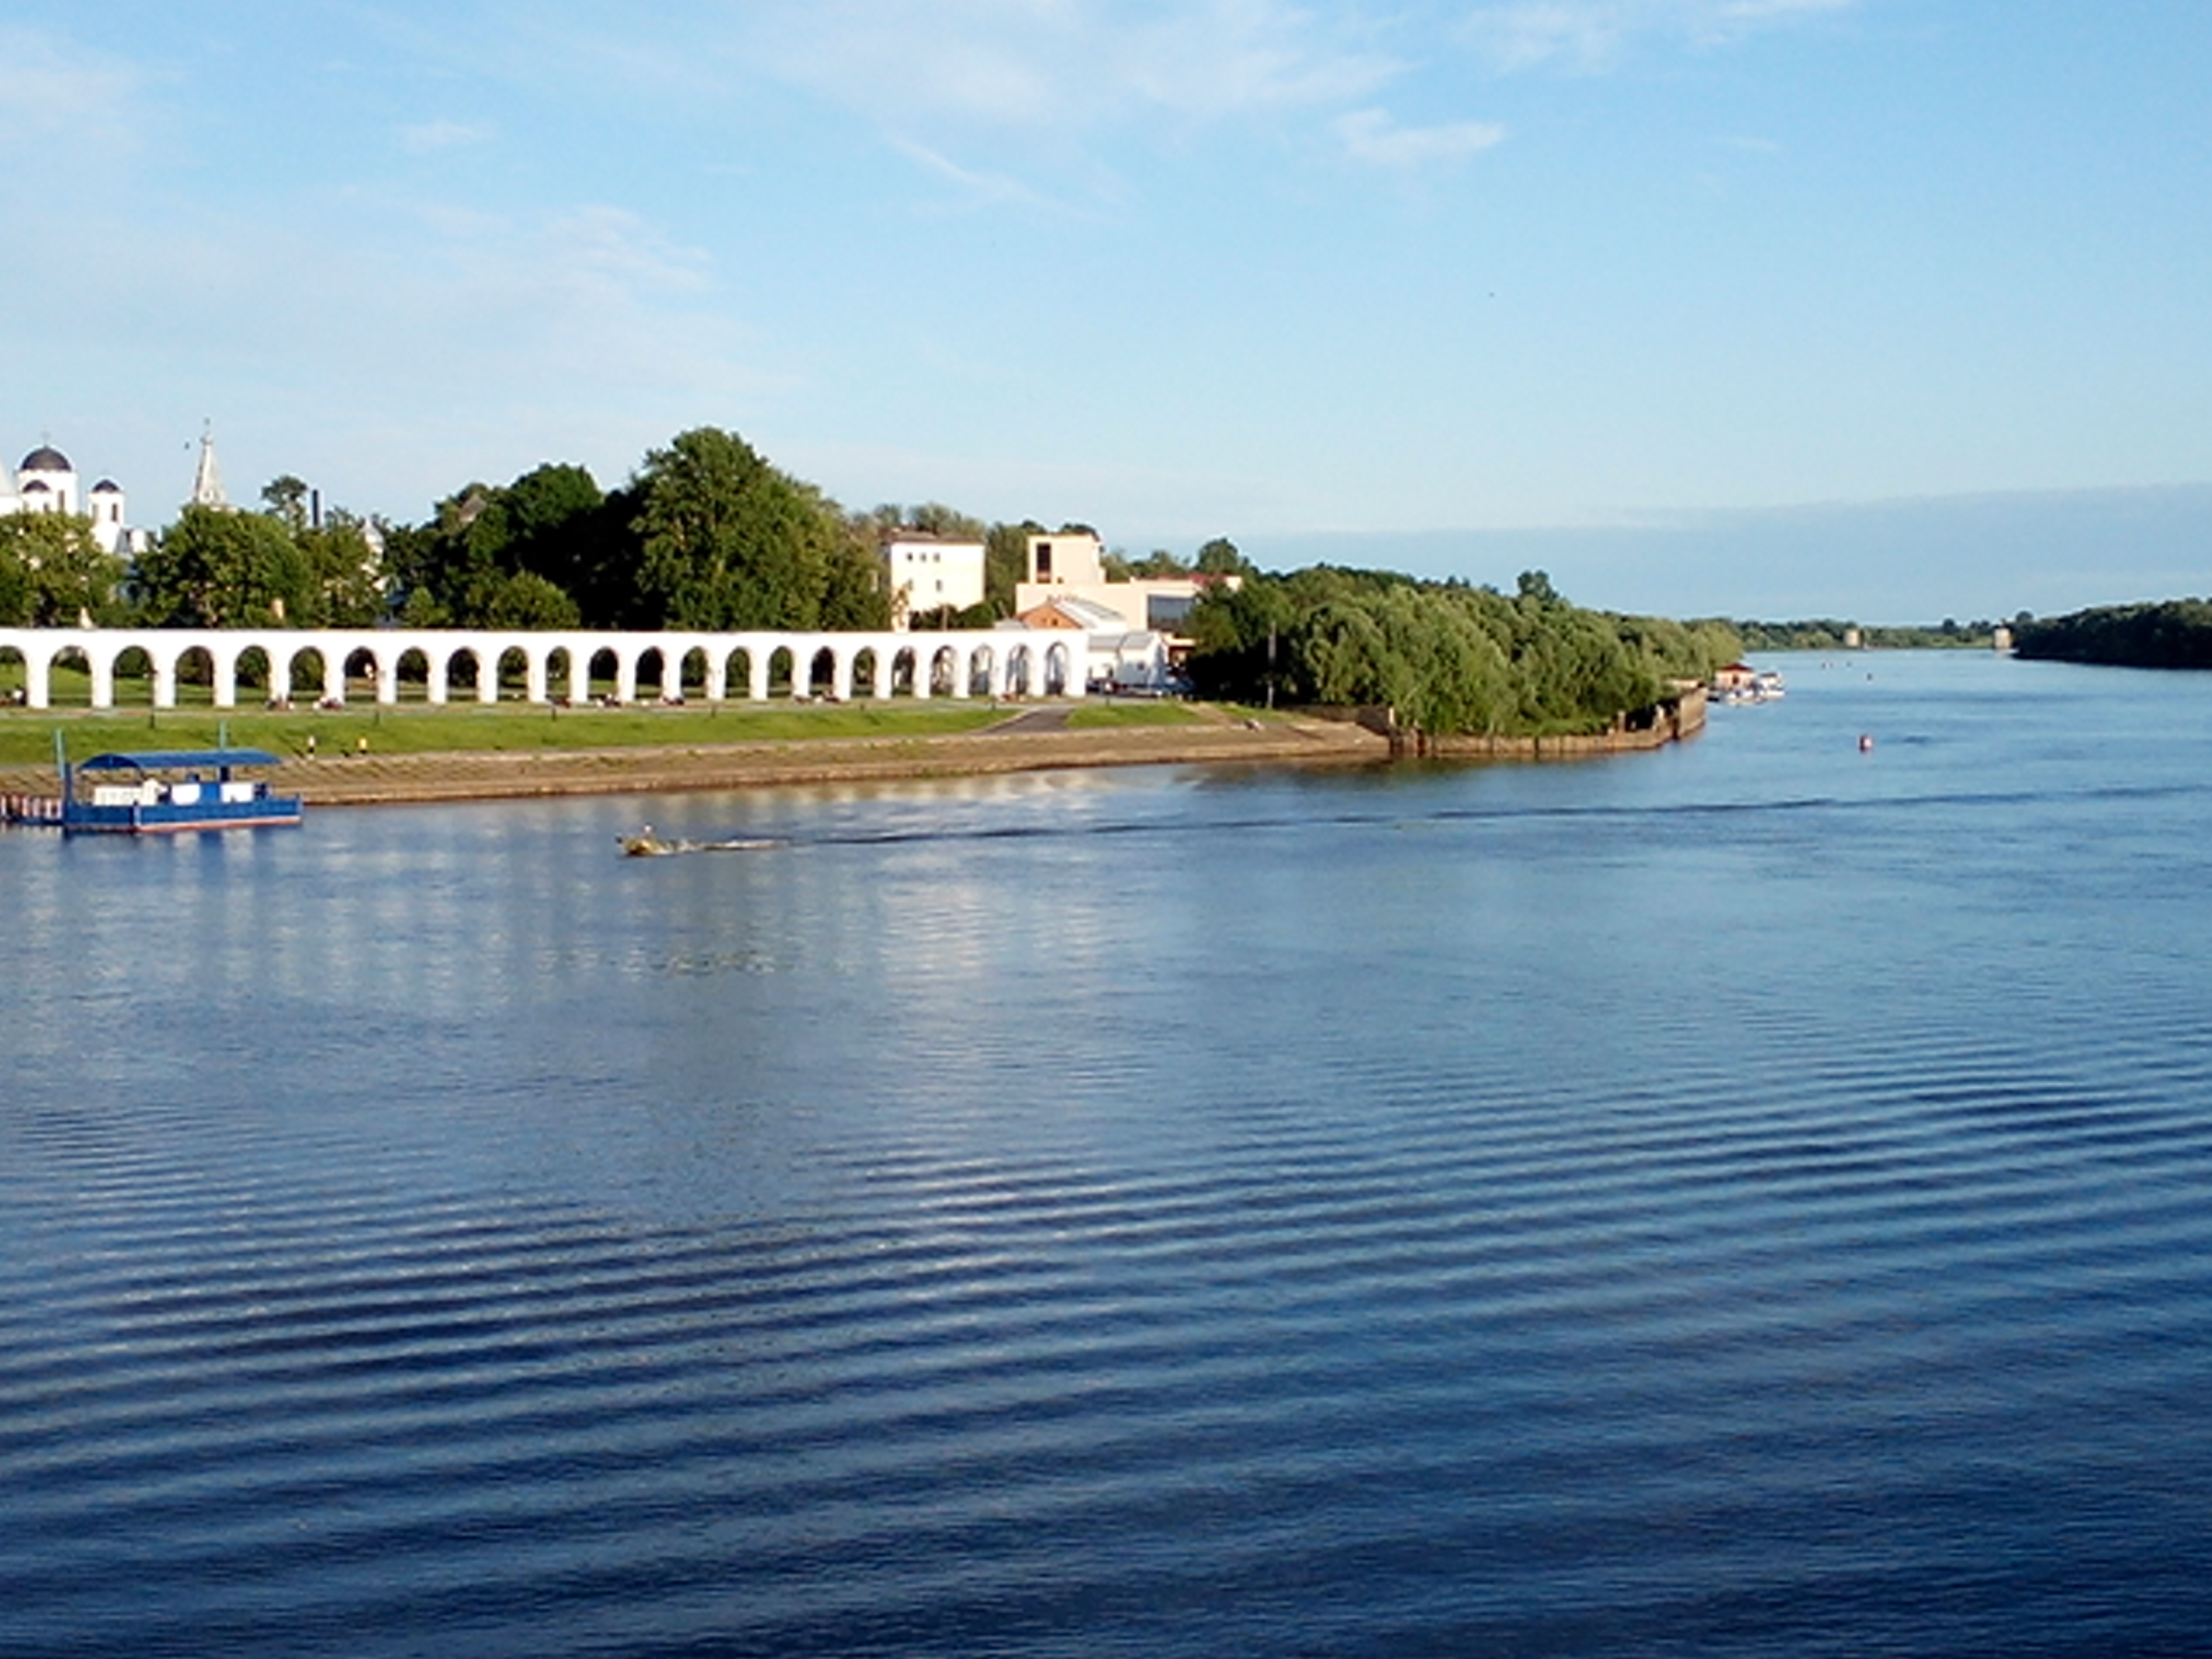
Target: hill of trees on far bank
x=2164 y=634
x=1826 y=634
x=1449 y=658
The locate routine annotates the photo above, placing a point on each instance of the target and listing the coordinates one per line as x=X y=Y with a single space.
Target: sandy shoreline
x=373 y=780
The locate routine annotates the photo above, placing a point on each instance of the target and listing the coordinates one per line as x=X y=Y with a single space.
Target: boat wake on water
x=647 y=845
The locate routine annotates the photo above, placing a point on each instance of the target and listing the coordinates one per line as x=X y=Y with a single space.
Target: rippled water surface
x=1755 y=1198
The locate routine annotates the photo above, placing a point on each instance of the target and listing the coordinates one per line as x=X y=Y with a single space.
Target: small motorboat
x=645 y=844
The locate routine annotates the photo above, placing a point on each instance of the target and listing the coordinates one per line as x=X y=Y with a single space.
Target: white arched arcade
x=312 y=665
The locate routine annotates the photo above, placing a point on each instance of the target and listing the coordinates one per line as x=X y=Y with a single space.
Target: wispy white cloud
x=1374 y=137
x=1066 y=64
x=428 y=137
x=54 y=95
x=978 y=189
x=610 y=245
x=1590 y=34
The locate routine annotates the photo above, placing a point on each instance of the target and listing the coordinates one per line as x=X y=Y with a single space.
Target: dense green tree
x=939 y=618
x=18 y=608
x=1237 y=634
x=562 y=526
x=1828 y=634
x=446 y=572
x=286 y=498
x=2168 y=634
x=53 y=573
x=1220 y=557
x=217 y=568
x=345 y=575
x=853 y=593
x=1006 y=562
x=553 y=522
x=931 y=518
x=524 y=599
x=1446 y=657
x=936 y=519
x=729 y=542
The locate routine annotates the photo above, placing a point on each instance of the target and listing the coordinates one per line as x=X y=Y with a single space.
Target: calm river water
x=1752 y=1200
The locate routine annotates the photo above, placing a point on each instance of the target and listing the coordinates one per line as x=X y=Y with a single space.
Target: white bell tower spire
x=207 y=479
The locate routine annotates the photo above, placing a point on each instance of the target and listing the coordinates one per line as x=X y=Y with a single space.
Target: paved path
x=1031 y=721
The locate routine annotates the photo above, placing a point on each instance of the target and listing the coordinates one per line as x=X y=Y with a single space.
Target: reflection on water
x=1745 y=1200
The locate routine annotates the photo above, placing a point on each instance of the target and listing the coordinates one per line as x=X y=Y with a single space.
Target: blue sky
x=1892 y=308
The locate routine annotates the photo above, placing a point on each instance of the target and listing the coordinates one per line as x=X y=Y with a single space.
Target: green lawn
x=26 y=735
x=1099 y=716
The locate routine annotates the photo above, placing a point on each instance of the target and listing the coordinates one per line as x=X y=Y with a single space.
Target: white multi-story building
x=1071 y=564
x=46 y=482
x=923 y=571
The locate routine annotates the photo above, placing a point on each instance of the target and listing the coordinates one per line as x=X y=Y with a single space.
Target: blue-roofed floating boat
x=167 y=790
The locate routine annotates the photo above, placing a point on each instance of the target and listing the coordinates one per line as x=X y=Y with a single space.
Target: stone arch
x=822 y=673
x=694 y=669
x=782 y=670
x=512 y=667
x=738 y=671
x=129 y=677
x=906 y=667
x=1058 y=662
x=1020 y=672
x=872 y=676
x=302 y=672
x=15 y=675
x=363 y=675
x=456 y=677
x=603 y=666
x=192 y=667
x=250 y=671
x=411 y=672
x=982 y=671
x=559 y=670
x=70 y=678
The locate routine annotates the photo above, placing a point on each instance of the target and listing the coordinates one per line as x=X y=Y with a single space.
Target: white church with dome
x=46 y=482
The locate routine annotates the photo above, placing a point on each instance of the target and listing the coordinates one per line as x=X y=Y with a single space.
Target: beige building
x=1070 y=564
x=922 y=572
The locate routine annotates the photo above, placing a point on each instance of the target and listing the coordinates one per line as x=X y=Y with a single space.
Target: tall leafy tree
x=527 y=600
x=854 y=591
x=286 y=498
x=214 y=568
x=564 y=528
x=53 y=573
x=345 y=585
x=553 y=523
x=729 y=542
x=1220 y=557
x=1006 y=562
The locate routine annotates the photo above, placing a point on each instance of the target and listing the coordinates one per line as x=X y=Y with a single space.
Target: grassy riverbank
x=687 y=756
x=27 y=736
